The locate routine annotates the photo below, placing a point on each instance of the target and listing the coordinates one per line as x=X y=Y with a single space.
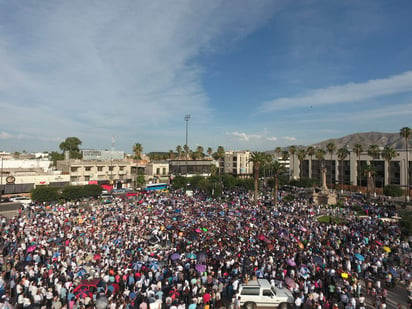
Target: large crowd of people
x=173 y=251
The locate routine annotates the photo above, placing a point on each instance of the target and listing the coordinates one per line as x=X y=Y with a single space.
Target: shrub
x=393 y=190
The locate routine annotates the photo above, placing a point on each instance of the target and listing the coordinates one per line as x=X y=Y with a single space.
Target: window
x=164 y=171
x=100 y=168
x=88 y=168
x=158 y=171
x=121 y=168
x=267 y=293
x=111 y=168
x=86 y=178
x=73 y=169
x=250 y=291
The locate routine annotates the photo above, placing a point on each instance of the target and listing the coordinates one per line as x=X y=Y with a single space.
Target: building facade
x=350 y=170
x=237 y=163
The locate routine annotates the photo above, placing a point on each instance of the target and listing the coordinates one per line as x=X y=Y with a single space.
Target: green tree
x=179 y=182
x=91 y=191
x=45 y=194
x=55 y=156
x=278 y=152
x=358 y=149
x=199 y=152
x=405 y=132
x=330 y=147
x=389 y=153
x=219 y=155
x=320 y=156
x=171 y=154
x=140 y=181
x=209 y=151
x=301 y=154
x=138 y=149
x=277 y=169
x=392 y=190
x=71 y=144
x=257 y=159
x=179 y=152
x=343 y=153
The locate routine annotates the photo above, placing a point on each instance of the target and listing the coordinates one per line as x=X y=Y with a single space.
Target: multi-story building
x=386 y=172
x=237 y=163
x=23 y=175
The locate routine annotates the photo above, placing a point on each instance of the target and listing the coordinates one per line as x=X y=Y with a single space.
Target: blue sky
x=253 y=75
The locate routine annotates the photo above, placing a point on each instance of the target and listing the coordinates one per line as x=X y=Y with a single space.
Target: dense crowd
x=172 y=251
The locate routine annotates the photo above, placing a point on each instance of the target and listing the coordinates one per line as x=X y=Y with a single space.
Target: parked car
x=261 y=294
x=21 y=199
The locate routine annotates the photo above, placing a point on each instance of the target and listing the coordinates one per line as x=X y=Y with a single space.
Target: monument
x=324 y=196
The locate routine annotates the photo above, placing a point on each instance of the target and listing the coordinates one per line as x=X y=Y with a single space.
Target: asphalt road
x=9 y=209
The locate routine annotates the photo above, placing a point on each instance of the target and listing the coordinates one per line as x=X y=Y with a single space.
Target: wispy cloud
x=348 y=93
x=94 y=70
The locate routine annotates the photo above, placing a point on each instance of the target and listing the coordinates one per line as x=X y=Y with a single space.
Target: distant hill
x=365 y=139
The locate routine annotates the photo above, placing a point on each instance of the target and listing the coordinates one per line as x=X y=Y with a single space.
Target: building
x=237 y=163
x=22 y=176
x=393 y=172
x=117 y=173
x=191 y=167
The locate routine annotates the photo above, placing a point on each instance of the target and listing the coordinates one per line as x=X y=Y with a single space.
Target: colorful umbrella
x=290 y=283
x=175 y=256
x=31 y=248
x=344 y=275
x=359 y=257
x=191 y=256
x=291 y=262
x=200 y=267
x=387 y=249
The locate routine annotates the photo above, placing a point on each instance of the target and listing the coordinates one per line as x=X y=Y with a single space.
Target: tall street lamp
x=187 y=118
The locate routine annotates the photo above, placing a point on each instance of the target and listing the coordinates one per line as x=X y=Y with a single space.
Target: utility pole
x=187 y=118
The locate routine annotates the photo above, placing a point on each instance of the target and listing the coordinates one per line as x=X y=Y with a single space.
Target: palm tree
x=320 y=156
x=199 y=152
x=301 y=154
x=310 y=151
x=137 y=149
x=292 y=151
x=278 y=152
x=331 y=149
x=343 y=153
x=388 y=154
x=374 y=153
x=257 y=158
x=369 y=171
x=405 y=133
x=277 y=168
x=179 y=151
x=358 y=149
x=219 y=155
x=209 y=151
x=171 y=153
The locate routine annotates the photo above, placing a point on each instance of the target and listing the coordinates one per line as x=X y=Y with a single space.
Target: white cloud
x=93 y=70
x=349 y=93
x=289 y=138
x=272 y=139
x=5 y=135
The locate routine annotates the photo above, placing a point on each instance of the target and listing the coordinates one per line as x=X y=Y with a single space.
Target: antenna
x=113 y=141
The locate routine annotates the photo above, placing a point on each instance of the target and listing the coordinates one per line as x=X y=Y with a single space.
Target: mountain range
x=393 y=140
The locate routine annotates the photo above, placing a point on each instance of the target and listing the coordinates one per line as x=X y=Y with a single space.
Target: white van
x=21 y=199
x=260 y=294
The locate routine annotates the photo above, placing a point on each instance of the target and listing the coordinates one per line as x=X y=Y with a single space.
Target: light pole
x=187 y=118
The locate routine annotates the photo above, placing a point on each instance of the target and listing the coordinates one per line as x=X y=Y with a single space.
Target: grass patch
x=331 y=219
